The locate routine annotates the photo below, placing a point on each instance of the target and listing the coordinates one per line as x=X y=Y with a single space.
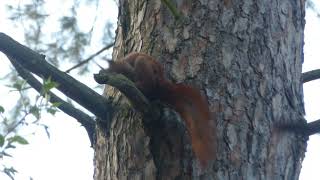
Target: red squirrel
x=148 y=76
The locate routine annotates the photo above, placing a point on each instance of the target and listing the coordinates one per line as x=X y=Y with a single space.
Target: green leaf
x=52 y=111
x=10 y=172
x=1 y=109
x=56 y=104
x=17 y=85
x=18 y=139
x=48 y=85
x=35 y=111
x=1 y=140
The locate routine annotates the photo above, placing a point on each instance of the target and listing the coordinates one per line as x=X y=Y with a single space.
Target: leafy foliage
x=10 y=172
x=61 y=37
x=9 y=137
x=1 y=109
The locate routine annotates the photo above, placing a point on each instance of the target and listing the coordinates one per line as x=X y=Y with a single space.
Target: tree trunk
x=245 y=56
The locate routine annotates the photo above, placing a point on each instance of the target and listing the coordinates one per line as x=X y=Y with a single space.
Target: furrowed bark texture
x=246 y=58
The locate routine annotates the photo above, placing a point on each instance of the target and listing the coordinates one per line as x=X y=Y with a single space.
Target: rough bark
x=246 y=57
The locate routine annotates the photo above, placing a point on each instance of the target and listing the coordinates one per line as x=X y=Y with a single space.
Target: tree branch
x=84 y=119
x=310 y=75
x=313 y=128
x=126 y=87
x=157 y=117
x=304 y=128
x=35 y=63
x=89 y=58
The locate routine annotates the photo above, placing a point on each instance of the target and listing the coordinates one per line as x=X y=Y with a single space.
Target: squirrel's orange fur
x=149 y=78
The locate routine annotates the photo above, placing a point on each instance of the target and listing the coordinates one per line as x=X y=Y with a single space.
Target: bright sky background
x=67 y=155
x=310 y=166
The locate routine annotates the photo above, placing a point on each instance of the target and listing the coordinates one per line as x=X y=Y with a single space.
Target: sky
x=310 y=166
x=67 y=154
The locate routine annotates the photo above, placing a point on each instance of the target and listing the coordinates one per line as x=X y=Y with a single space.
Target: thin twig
x=89 y=58
x=11 y=129
x=95 y=19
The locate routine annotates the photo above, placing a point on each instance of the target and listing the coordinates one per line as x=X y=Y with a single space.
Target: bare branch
x=302 y=127
x=84 y=119
x=126 y=87
x=313 y=127
x=155 y=114
x=35 y=63
x=310 y=75
x=89 y=58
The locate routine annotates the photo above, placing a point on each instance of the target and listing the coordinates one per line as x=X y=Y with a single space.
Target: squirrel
x=148 y=76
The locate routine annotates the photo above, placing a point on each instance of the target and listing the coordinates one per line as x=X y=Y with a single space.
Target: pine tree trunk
x=245 y=56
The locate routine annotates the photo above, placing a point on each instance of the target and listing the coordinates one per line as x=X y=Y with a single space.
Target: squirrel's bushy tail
x=194 y=110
